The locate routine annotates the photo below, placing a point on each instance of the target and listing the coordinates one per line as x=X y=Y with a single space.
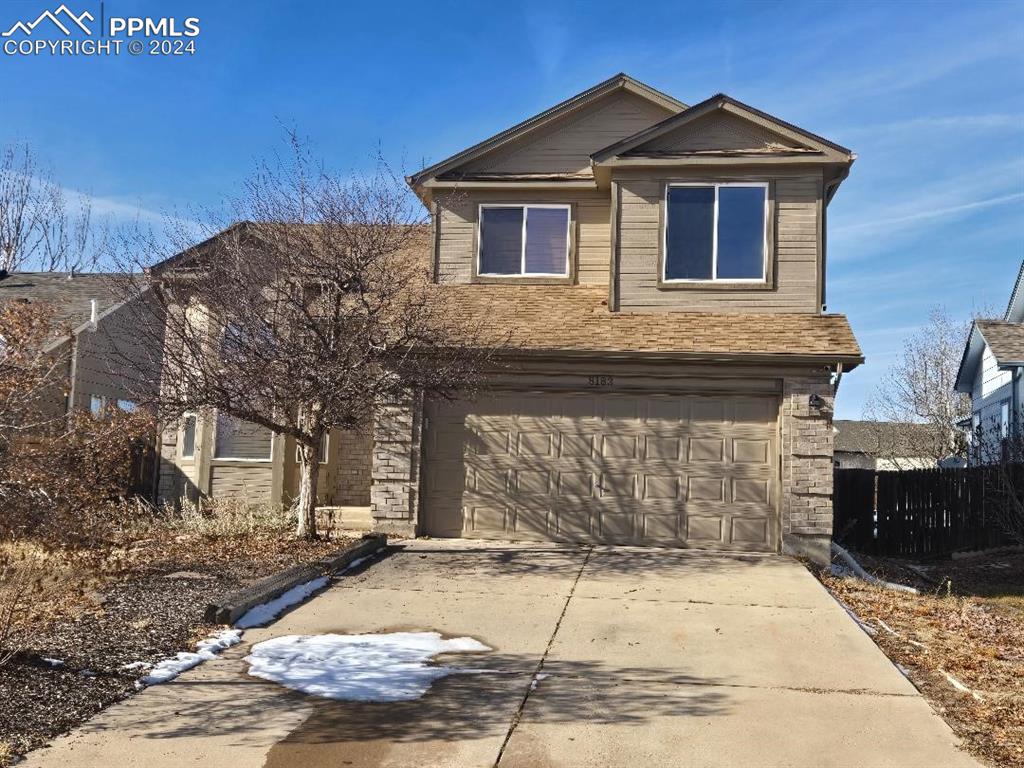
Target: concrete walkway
x=647 y=658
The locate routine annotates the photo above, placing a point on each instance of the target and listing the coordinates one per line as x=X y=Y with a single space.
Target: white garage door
x=677 y=470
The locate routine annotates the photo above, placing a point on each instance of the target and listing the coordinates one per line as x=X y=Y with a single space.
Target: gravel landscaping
x=961 y=641
x=138 y=619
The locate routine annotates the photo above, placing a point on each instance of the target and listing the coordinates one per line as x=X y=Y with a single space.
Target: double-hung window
x=716 y=232
x=524 y=241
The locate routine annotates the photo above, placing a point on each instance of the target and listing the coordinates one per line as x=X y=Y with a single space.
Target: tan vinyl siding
x=716 y=132
x=237 y=480
x=565 y=146
x=794 y=250
x=458 y=213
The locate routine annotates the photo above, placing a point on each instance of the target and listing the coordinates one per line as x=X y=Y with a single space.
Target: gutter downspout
x=72 y=375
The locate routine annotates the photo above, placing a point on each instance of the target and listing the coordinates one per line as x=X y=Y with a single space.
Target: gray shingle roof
x=1006 y=340
x=69 y=296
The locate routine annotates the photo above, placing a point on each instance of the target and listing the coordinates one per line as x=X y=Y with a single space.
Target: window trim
x=195 y=435
x=567 y=274
x=327 y=450
x=766 y=278
x=214 y=458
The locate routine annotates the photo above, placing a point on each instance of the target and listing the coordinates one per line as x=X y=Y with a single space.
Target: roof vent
x=93 y=312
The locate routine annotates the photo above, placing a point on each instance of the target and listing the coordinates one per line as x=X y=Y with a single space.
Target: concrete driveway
x=646 y=658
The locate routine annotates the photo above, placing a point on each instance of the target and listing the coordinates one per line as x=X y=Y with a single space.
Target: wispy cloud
x=990 y=122
x=896 y=222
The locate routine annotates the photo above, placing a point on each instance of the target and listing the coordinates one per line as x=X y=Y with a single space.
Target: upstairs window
x=241 y=440
x=716 y=232
x=524 y=241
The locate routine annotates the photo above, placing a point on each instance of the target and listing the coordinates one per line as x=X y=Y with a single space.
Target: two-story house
x=661 y=272
x=991 y=373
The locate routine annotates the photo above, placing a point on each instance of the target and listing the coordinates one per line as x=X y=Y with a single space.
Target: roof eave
x=848 y=361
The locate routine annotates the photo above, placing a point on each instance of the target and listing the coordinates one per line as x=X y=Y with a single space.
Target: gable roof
x=575 y=320
x=1006 y=342
x=723 y=102
x=70 y=295
x=904 y=440
x=618 y=82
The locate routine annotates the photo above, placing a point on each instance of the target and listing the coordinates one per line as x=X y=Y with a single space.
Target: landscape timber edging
x=232 y=607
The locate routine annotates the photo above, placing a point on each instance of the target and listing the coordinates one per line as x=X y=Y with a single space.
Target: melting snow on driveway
x=385 y=667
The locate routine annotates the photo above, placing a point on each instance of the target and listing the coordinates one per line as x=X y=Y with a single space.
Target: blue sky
x=929 y=95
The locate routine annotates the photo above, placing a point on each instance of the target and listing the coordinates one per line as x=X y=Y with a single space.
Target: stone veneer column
x=395 y=467
x=806 y=503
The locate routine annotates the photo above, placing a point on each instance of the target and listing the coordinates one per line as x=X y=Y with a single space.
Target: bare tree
x=310 y=314
x=39 y=227
x=918 y=389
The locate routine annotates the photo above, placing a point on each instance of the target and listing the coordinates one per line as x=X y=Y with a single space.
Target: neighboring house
x=92 y=330
x=661 y=271
x=990 y=370
x=886 y=445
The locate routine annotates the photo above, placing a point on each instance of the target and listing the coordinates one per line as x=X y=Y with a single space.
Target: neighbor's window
x=128 y=406
x=188 y=436
x=716 y=232
x=1004 y=418
x=95 y=405
x=321 y=454
x=237 y=439
x=524 y=240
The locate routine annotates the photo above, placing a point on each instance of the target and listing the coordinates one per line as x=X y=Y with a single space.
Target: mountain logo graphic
x=62 y=12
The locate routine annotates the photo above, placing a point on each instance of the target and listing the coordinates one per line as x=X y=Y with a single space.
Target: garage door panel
x=576 y=446
x=702 y=449
x=705 y=529
x=751 y=489
x=573 y=483
x=661 y=487
x=684 y=470
x=750 y=530
x=618 y=446
x=751 y=450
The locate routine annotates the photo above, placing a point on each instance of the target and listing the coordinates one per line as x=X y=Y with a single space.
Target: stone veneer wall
x=354 y=467
x=806 y=503
x=395 y=473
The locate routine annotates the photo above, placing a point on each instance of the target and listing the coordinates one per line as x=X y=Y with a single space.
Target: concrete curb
x=232 y=607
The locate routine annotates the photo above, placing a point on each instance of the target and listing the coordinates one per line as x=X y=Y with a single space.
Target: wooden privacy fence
x=919 y=512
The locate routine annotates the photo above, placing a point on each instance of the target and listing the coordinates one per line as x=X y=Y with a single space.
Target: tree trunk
x=309 y=467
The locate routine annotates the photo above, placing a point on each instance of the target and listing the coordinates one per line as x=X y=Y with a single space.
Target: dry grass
x=978 y=639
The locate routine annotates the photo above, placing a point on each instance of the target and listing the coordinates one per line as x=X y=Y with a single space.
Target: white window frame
x=522 y=256
x=327 y=450
x=716 y=185
x=195 y=434
x=1004 y=419
x=215 y=458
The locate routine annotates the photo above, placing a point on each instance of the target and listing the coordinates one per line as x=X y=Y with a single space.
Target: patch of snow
x=267 y=612
x=357 y=562
x=207 y=649
x=54 y=662
x=86 y=673
x=537 y=678
x=131 y=666
x=380 y=667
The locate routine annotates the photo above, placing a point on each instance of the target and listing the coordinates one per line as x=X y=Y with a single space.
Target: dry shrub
x=226 y=518
x=62 y=478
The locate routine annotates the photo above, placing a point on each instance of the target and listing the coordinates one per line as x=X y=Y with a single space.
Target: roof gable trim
x=620 y=81
x=828 y=149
